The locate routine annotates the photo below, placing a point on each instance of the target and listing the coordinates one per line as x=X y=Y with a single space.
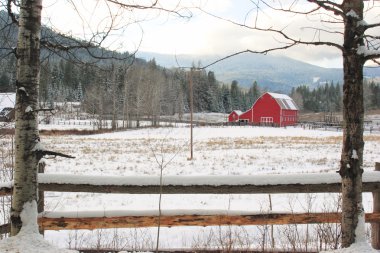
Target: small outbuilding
x=234 y=116
x=7 y=105
x=270 y=109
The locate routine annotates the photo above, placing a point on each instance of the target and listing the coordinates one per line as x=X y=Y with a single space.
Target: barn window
x=266 y=119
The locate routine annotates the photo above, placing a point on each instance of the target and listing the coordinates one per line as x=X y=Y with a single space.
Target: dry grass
x=375 y=138
x=225 y=143
x=73 y=132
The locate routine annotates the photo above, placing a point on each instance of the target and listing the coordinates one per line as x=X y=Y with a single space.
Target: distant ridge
x=275 y=73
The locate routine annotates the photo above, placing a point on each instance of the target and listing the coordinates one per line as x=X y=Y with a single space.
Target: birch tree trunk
x=353 y=115
x=26 y=136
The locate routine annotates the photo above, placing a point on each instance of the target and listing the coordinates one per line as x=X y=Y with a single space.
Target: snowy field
x=217 y=151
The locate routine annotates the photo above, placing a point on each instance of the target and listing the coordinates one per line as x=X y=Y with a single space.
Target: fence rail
x=194 y=220
x=255 y=184
x=203 y=250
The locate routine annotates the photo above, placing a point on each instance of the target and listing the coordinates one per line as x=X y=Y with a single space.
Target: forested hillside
x=275 y=73
x=138 y=89
x=328 y=97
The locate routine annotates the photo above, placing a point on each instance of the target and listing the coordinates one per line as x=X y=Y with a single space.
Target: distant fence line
x=159 y=121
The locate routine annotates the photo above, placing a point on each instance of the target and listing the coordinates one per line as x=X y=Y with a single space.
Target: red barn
x=271 y=109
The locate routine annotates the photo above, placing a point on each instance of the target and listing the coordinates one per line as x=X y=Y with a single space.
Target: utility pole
x=191 y=112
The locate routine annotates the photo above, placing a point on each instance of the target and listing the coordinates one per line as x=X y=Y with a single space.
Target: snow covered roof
x=238 y=112
x=284 y=101
x=7 y=100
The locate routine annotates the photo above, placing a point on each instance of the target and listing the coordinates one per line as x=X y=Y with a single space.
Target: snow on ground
x=29 y=240
x=218 y=151
x=360 y=244
x=362 y=247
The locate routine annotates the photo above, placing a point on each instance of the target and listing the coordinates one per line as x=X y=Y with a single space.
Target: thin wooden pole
x=191 y=113
x=376 y=208
x=41 y=195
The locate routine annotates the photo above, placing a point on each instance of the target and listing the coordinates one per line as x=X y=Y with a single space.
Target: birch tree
x=26 y=134
x=358 y=43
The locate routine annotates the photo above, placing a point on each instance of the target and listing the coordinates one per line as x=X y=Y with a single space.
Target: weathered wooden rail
x=257 y=184
x=203 y=250
x=175 y=220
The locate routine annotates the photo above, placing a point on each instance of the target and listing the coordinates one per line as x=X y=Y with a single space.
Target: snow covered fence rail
x=254 y=184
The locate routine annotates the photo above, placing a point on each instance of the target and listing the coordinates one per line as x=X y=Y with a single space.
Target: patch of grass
x=375 y=138
x=317 y=161
x=240 y=143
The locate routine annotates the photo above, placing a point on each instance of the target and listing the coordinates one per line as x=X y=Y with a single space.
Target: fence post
x=41 y=195
x=376 y=208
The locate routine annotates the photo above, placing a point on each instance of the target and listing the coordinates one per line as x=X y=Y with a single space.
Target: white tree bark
x=353 y=117
x=26 y=136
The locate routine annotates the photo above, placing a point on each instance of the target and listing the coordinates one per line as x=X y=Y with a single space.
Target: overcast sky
x=201 y=34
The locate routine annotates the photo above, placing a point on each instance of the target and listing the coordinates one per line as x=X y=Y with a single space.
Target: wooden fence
x=305 y=183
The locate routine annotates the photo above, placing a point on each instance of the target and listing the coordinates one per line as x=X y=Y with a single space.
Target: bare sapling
x=330 y=234
x=6 y=175
x=163 y=159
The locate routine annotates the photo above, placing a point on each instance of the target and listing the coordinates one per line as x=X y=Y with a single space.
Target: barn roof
x=7 y=100
x=238 y=112
x=284 y=101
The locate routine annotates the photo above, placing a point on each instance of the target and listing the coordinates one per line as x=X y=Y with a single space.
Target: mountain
x=77 y=50
x=275 y=73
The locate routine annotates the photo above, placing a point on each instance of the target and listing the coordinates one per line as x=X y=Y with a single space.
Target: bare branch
x=329 y=6
x=324 y=30
x=369 y=26
x=10 y=12
x=291 y=41
x=153 y=6
x=246 y=51
x=42 y=153
x=376 y=61
x=290 y=9
x=373 y=55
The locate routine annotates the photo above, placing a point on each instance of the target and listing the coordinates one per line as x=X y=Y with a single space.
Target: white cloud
x=207 y=35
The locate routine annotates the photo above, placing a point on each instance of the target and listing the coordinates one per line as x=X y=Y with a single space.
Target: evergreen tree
x=226 y=99
x=375 y=98
x=4 y=83
x=79 y=92
x=253 y=94
x=338 y=97
x=235 y=96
